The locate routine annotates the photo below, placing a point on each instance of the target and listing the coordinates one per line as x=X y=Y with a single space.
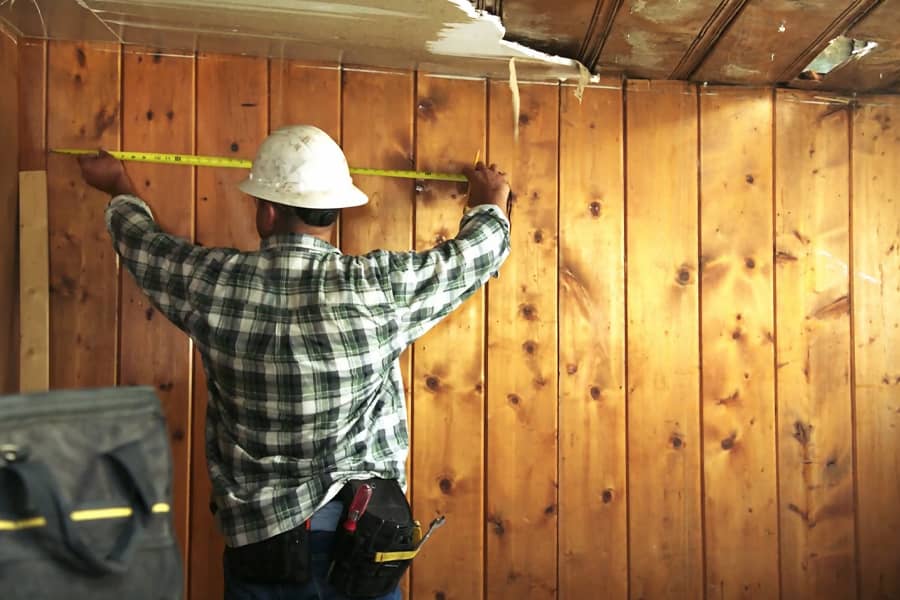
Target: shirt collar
x=301 y=240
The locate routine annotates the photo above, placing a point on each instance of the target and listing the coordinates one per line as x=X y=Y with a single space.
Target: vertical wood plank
x=738 y=337
x=303 y=93
x=9 y=284
x=522 y=354
x=377 y=124
x=378 y=131
x=158 y=116
x=448 y=387
x=876 y=296
x=232 y=120
x=813 y=348
x=82 y=112
x=593 y=527
x=34 y=275
x=32 y=105
x=663 y=355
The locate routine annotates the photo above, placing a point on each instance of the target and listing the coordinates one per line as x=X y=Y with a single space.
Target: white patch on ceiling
x=839 y=51
x=738 y=72
x=482 y=37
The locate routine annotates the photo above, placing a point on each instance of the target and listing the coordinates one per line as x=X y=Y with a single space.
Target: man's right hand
x=487 y=185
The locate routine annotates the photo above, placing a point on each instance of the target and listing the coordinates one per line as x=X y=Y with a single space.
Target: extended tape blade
x=239 y=163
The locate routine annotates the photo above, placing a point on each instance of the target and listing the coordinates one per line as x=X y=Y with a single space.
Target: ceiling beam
x=605 y=12
x=718 y=23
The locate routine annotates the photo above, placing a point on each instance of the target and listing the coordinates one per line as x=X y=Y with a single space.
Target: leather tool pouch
x=370 y=561
x=280 y=559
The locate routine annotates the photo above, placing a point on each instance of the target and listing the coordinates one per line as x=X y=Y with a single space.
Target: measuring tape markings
x=239 y=163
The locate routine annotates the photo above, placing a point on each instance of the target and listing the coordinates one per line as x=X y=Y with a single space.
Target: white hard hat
x=301 y=166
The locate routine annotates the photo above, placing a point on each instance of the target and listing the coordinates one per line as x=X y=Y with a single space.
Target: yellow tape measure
x=239 y=163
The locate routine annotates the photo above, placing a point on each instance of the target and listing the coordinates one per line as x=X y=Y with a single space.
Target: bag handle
x=41 y=496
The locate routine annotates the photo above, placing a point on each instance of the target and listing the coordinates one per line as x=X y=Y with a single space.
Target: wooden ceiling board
x=649 y=38
x=879 y=70
x=774 y=40
x=69 y=20
x=557 y=28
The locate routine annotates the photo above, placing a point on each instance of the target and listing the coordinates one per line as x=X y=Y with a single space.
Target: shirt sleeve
x=427 y=286
x=162 y=265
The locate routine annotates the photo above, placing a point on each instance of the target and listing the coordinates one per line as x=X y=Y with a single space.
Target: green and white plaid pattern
x=300 y=345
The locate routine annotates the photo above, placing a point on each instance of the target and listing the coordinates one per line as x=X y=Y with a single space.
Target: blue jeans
x=321 y=540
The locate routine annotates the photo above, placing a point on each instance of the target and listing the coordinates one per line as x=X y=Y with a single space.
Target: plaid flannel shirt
x=300 y=345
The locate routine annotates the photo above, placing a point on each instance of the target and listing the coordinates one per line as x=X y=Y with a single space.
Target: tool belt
x=370 y=561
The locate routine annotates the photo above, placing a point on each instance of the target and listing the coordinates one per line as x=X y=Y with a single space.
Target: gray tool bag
x=85 y=485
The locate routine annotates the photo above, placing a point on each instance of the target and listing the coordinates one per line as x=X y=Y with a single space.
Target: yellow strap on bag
x=381 y=557
x=96 y=514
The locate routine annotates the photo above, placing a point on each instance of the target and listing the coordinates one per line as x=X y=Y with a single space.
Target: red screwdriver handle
x=358 y=506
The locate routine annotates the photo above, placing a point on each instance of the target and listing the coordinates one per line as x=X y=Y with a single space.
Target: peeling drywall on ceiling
x=482 y=36
x=447 y=36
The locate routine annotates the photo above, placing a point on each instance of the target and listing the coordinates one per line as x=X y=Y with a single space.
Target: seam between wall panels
x=627 y=394
x=701 y=411
x=192 y=399
x=773 y=196
x=414 y=200
x=117 y=361
x=559 y=108
x=851 y=264
x=485 y=365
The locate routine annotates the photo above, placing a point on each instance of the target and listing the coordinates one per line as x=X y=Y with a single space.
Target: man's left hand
x=106 y=173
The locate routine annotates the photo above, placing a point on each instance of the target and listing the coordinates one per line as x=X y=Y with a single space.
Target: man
x=300 y=343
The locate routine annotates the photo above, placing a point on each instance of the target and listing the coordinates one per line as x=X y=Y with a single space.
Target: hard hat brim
x=343 y=197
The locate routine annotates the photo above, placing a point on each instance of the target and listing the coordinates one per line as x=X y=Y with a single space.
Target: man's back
x=300 y=346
